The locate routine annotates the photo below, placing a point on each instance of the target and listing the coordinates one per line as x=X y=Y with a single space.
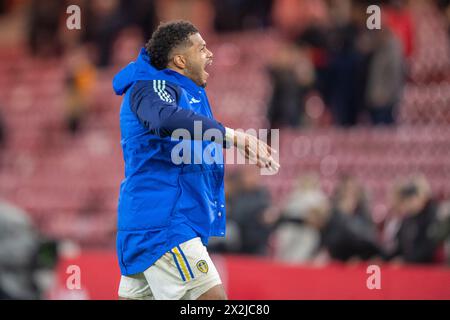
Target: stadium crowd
x=311 y=227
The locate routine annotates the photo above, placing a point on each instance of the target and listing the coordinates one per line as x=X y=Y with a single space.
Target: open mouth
x=207 y=64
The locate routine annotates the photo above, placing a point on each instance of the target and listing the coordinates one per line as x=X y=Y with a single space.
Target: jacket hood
x=141 y=69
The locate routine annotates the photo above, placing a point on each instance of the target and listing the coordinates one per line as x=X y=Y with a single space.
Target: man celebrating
x=167 y=210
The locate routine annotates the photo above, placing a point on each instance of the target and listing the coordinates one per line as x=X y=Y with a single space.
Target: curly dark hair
x=166 y=37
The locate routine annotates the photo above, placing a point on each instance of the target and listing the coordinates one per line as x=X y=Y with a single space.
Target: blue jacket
x=161 y=203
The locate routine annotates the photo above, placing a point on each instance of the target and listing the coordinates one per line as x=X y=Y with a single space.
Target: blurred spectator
x=104 y=20
x=415 y=241
x=43 y=26
x=391 y=224
x=314 y=38
x=358 y=69
x=292 y=75
x=298 y=231
x=79 y=85
x=127 y=45
x=18 y=248
x=386 y=77
x=440 y=232
x=441 y=229
x=342 y=72
x=2 y=131
x=248 y=206
x=232 y=15
x=232 y=243
x=444 y=6
x=350 y=233
x=291 y=17
x=141 y=14
x=400 y=22
x=3 y=141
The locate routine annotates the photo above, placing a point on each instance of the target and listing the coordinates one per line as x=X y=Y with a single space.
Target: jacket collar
x=182 y=80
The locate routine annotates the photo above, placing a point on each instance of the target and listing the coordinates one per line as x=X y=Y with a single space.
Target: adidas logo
x=193 y=100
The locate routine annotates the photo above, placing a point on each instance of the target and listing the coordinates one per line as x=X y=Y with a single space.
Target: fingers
x=258 y=152
x=263 y=153
x=268 y=163
x=267 y=147
x=272 y=165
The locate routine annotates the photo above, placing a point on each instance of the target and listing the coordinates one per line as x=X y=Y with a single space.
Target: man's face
x=198 y=57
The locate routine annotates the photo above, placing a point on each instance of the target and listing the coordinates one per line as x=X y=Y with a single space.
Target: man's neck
x=178 y=70
x=182 y=72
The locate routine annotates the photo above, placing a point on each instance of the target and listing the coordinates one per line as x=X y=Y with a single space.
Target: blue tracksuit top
x=163 y=203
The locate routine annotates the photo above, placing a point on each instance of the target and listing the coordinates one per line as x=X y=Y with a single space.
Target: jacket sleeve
x=155 y=105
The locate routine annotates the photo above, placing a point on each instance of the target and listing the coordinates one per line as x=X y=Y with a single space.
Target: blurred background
x=364 y=121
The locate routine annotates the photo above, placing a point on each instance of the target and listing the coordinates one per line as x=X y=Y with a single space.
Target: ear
x=179 y=61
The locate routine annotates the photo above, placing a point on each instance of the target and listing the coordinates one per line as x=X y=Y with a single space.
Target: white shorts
x=185 y=272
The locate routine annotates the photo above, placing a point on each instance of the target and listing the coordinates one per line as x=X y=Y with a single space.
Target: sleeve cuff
x=229 y=138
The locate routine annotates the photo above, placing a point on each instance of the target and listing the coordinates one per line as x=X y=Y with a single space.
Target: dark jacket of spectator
x=414 y=241
x=347 y=237
x=351 y=233
x=385 y=78
x=248 y=210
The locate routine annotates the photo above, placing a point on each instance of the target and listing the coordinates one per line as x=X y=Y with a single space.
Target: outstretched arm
x=157 y=109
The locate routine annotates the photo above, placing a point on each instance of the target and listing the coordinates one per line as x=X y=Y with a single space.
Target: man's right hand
x=253 y=149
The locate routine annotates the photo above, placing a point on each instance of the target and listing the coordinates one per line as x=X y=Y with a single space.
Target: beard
x=198 y=74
